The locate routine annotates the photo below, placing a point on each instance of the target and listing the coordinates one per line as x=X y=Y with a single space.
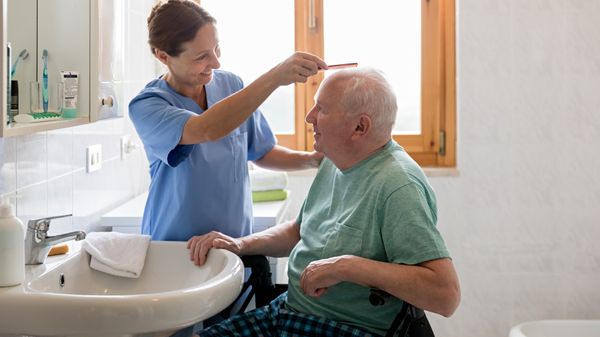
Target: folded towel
x=265 y=180
x=273 y=195
x=117 y=254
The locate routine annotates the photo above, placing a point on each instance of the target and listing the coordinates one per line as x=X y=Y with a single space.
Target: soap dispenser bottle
x=12 y=247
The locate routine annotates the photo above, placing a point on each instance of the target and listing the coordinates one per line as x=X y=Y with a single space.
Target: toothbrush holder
x=55 y=97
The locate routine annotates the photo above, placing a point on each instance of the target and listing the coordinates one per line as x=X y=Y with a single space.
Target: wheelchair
x=409 y=322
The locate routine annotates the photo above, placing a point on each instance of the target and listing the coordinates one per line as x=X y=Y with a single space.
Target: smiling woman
x=200 y=126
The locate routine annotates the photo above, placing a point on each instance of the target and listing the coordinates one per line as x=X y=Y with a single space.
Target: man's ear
x=363 y=126
x=161 y=55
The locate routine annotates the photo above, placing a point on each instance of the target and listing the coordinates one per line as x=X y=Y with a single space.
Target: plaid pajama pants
x=278 y=321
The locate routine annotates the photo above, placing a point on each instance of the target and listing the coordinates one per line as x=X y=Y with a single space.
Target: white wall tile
x=32 y=160
x=8 y=166
x=60 y=152
x=32 y=202
x=60 y=202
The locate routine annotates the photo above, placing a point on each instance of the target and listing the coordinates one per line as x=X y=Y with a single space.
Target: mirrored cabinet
x=51 y=69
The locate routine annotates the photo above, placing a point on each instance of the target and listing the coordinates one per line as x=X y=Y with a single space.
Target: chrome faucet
x=38 y=243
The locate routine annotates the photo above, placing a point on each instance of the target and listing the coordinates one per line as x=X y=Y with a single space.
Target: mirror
x=22 y=35
x=78 y=37
x=62 y=28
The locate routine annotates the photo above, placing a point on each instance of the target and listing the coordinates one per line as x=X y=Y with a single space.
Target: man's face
x=200 y=56
x=331 y=126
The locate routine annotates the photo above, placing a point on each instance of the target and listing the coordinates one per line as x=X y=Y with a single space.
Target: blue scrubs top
x=196 y=188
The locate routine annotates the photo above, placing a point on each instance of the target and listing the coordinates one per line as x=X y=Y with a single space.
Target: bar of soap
x=62 y=248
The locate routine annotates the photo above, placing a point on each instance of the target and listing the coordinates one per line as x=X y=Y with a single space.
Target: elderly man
x=369 y=221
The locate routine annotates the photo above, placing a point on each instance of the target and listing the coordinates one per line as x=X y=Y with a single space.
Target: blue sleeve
x=260 y=136
x=160 y=127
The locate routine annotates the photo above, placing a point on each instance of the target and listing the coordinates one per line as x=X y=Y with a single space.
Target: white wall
x=45 y=172
x=522 y=220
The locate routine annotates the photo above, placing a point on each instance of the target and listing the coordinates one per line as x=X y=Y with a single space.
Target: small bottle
x=8 y=79
x=12 y=247
x=14 y=101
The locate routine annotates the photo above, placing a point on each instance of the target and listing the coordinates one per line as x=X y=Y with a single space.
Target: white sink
x=557 y=328
x=171 y=293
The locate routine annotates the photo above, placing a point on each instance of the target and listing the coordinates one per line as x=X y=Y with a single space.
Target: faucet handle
x=43 y=224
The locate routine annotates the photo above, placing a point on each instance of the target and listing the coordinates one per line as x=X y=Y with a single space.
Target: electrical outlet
x=125 y=146
x=93 y=158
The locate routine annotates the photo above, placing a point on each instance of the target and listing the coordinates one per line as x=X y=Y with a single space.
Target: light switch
x=125 y=146
x=94 y=158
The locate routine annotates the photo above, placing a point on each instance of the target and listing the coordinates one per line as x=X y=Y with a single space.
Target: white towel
x=265 y=180
x=117 y=254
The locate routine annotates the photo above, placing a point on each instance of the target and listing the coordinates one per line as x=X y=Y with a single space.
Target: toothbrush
x=23 y=55
x=45 y=80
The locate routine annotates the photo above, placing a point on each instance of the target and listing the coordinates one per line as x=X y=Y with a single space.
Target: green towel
x=271 y=195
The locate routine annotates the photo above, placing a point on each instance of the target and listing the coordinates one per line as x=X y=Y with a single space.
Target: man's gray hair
x=367 y=90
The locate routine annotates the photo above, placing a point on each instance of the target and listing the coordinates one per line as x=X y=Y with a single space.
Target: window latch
x=442 y=150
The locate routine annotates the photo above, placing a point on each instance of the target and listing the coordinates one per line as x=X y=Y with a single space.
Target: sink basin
x=557 y=328
x=64 y=297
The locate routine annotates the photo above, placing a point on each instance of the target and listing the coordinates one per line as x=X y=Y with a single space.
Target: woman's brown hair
x=174 y=22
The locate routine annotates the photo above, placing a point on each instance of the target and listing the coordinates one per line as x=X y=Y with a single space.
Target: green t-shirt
x=382 y=209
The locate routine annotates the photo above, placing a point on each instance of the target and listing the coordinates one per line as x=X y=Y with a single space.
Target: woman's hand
x=316 y=158
x=297 y=68
x=282 y=158
x=200 y=245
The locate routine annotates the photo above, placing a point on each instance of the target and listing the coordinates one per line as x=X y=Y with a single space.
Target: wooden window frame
x=436 y=145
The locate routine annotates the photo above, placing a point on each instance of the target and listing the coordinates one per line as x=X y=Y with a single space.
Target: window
x=411 y=41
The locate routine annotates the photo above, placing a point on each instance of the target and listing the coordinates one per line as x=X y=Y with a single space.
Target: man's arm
x=276 y=241
x=431 y=285
x=281 y=158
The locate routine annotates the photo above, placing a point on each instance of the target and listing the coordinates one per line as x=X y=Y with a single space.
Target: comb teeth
x=343 y=65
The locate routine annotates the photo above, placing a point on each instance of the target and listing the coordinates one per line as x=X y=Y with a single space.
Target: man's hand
x=201 y=244
x=320 y=275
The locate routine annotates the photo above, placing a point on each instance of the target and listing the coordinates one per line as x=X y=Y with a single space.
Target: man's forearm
x=431 y=286
x=281 y=158
x=277 y=241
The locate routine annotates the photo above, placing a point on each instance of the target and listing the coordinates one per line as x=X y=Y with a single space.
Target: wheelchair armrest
x=410 y=321
x=260 y=276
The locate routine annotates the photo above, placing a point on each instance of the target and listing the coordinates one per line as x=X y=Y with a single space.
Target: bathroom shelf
x=16 y=129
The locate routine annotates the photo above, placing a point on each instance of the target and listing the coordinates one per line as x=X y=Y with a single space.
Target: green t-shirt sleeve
x=409 y=231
